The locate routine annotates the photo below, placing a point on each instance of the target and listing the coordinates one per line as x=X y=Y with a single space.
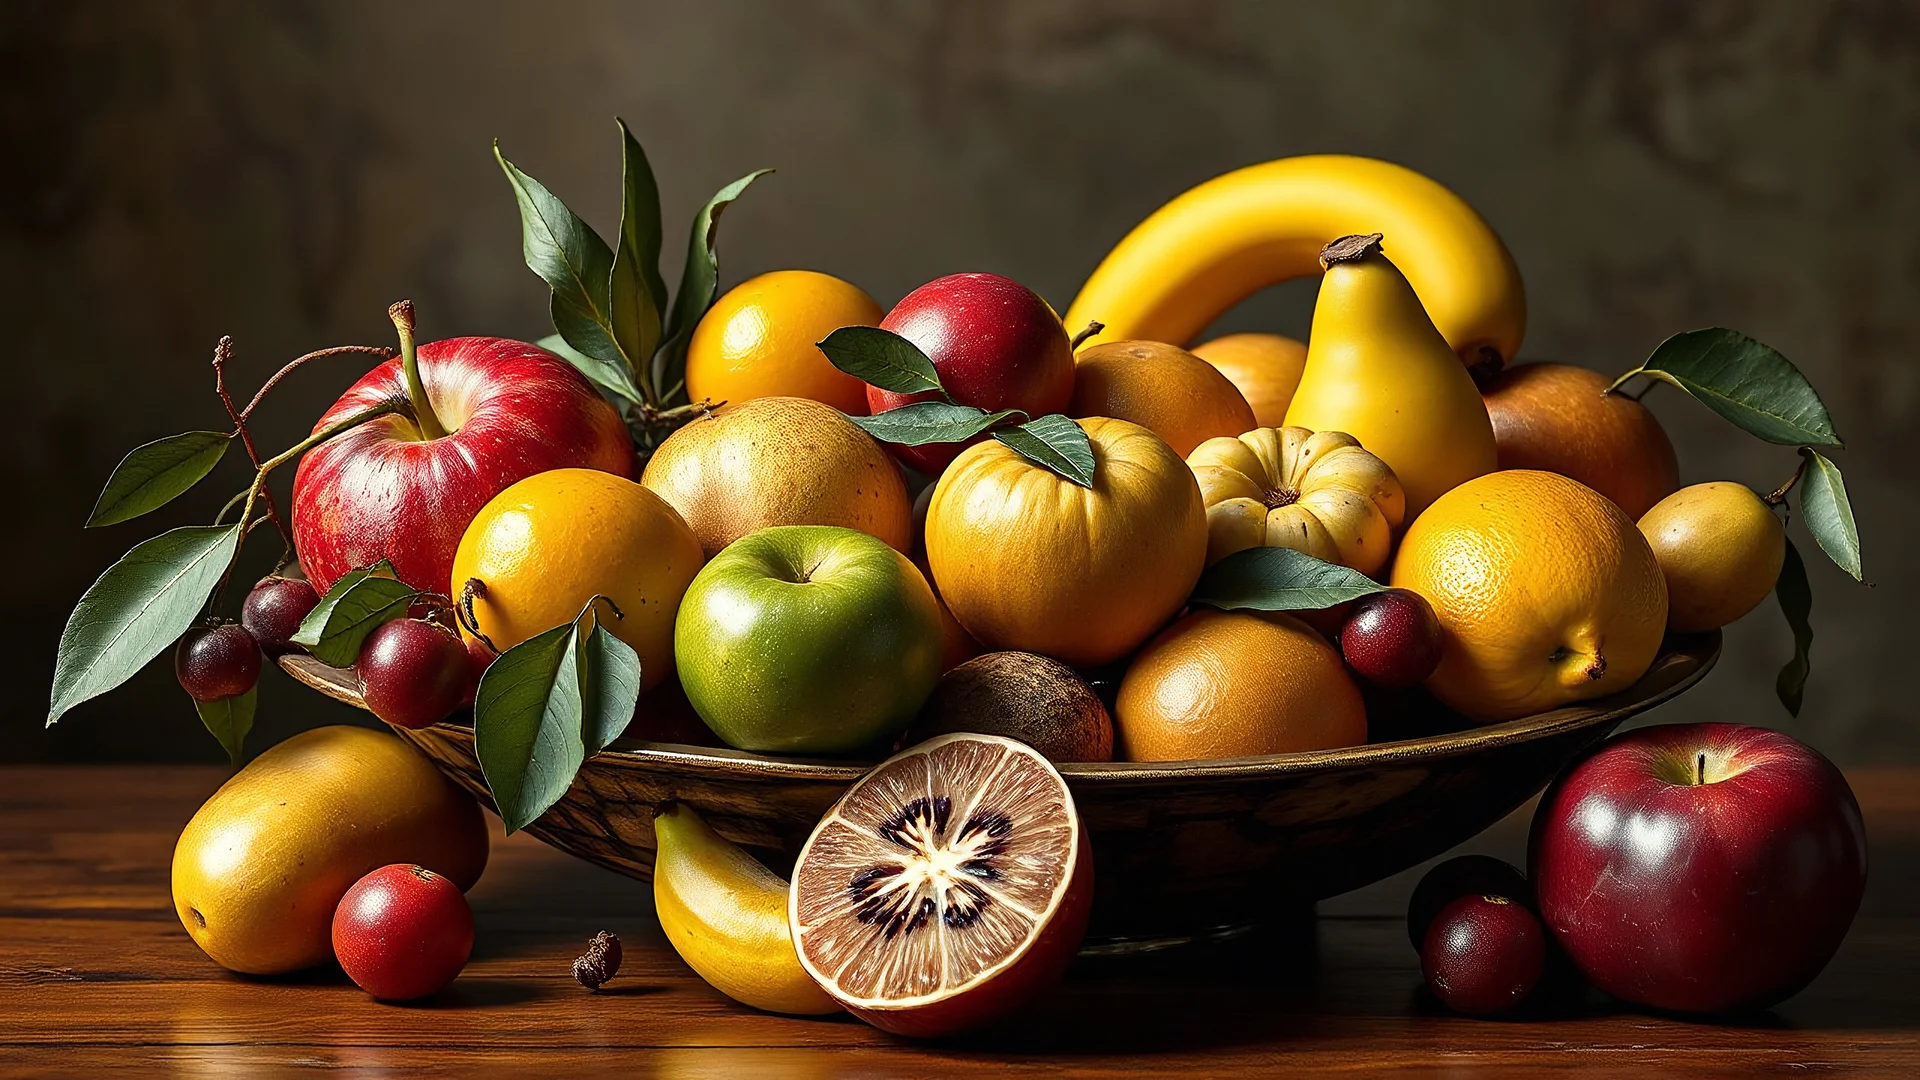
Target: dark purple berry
x=1392 y=638
x=273 y=611
x=1483 y=954
x=414 y=673
x=1463 y=875
x=217 y=662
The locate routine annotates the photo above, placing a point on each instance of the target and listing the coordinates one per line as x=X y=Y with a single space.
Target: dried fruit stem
x=1093 y=327
x=293 y=365
x=223 y=352
x=430 y=427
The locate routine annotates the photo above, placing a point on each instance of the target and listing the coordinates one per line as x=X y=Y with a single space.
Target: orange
x=1167 y=390
x=1028 y=560
x=1265 y=368
x=1545 y=590
x=779 y=461
x=762 y=340
x=1233 y=684
x=546 y=545
x=1559 y=418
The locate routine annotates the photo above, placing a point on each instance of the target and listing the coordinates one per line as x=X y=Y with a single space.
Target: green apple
x=808 y=639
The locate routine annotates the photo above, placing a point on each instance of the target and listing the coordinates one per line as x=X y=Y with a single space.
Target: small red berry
x=402 y=932
x=274 y=609
x=1483 y=954
x=217 y=662
x=1462 y=875
x=414 y=673
x=1392 y=638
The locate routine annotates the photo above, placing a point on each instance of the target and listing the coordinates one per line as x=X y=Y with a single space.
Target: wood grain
x=96 y=974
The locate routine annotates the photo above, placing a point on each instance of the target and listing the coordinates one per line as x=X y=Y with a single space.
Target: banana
x=1234 y=235
x=727 y=917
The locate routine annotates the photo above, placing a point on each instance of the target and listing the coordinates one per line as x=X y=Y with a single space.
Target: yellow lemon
x=1720 y=548
x=762 y=340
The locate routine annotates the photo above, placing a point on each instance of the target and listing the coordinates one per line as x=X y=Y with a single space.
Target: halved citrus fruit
x=946 y=888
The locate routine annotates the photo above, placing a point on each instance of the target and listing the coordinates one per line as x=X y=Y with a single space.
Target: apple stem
x=430 y=427
x=1700 y=768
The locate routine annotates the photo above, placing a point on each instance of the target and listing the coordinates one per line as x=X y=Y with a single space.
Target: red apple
x=996 y=345
x=382 y=492
x=1699 y=867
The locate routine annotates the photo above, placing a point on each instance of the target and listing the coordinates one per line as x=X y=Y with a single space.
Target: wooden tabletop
x=96 y=973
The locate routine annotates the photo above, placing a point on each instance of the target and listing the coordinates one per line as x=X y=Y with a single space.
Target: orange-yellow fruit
x=1233 y=684
x=779 y=461
x=1559 y=418
x=1546 y=591
x=1163 y=388
x=545 y=546
x=1028 y=560
x=1265 y=368
x=762 y=340
x=1720 y=548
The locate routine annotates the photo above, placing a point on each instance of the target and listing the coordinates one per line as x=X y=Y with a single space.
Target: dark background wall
x=281 y=172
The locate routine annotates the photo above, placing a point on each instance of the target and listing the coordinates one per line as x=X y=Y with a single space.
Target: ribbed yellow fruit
x=726 y=915
x=1546 y=593
x=1232 y=236
x=1313 y=491
x=1720 y=547
x=1378 y=370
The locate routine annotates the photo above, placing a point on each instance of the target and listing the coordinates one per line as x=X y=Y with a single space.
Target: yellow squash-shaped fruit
x=1720 y=547
x=727 y=917
x=1316 y=492
x=1545 y=591
x=1234 y=235
x=260 y=868
x=1379 y=371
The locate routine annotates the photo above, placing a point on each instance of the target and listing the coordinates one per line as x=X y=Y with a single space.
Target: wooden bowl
x=1180 y=848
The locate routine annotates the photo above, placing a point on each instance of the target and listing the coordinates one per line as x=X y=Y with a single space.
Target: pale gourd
x=1316 y=492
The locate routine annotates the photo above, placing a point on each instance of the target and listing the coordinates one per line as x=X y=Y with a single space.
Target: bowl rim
x=1683 y=660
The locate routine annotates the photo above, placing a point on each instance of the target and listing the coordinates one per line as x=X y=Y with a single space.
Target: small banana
x=727 y=917
x=1232 y=236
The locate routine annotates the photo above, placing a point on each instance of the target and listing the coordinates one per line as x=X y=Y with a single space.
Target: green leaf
x=637 y=293
x=1280 y=579
x=1747 y=383
x=882 y=358
x=1054 y=442
x=926 y=422
x=139 y=607
x=699 y=280
x=336 y=628
x=572 y=259
x=230 y=719
x=609 y=688
x=615 y=379
x=152 y=476
x=1796 y=603
x=1828 y=513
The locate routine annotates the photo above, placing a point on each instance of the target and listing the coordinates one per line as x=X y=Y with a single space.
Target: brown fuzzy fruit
x=1558 y=418
x=1024 y=696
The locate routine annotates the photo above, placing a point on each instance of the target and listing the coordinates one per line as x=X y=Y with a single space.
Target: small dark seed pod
x=601 y=962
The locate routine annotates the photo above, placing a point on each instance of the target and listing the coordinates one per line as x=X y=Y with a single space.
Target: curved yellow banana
x=727 y=917
x=1234 y=235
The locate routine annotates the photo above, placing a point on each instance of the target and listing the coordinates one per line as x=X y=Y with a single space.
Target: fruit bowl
x=1181 y=849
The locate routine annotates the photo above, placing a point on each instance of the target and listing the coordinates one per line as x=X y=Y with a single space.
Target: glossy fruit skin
x=1392 y=638
x=726 y=915
x=1236 y=234
x=1163 y=388
x=403 y=932
x=214 y=663
x=1720 y=547
x=1559 y=418
x=1379 y=371
x=259 y=870
x=1265 y=368
x=762 y=338
x=779 y=461
x=808 y=639
x=414 y=673
x=1483 y=955
x=550 y=543
x=1030 y=561
x=1715 y=897
x=1545 y=590
x=273 y=610
x=379 y=492
x=996 y=344
x=1232 y=684
x=1317 y=492
x=1463 y=875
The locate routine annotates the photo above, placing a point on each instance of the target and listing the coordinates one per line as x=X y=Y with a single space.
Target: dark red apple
x=402 y=932
x=1699 y=867
x=996 y=344
x=380 y=491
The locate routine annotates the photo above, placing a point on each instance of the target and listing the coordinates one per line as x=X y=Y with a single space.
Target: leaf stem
x=222 y=353
x=1779 y=494
x=1615 y=386
x=430 y=427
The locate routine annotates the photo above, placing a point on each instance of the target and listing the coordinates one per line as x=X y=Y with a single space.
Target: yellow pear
x=1379 y=371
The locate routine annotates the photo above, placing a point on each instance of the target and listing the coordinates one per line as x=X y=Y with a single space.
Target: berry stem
x=222 y=353
x=430 y=427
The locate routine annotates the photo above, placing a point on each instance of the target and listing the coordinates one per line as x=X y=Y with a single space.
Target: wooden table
x=96 y=973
